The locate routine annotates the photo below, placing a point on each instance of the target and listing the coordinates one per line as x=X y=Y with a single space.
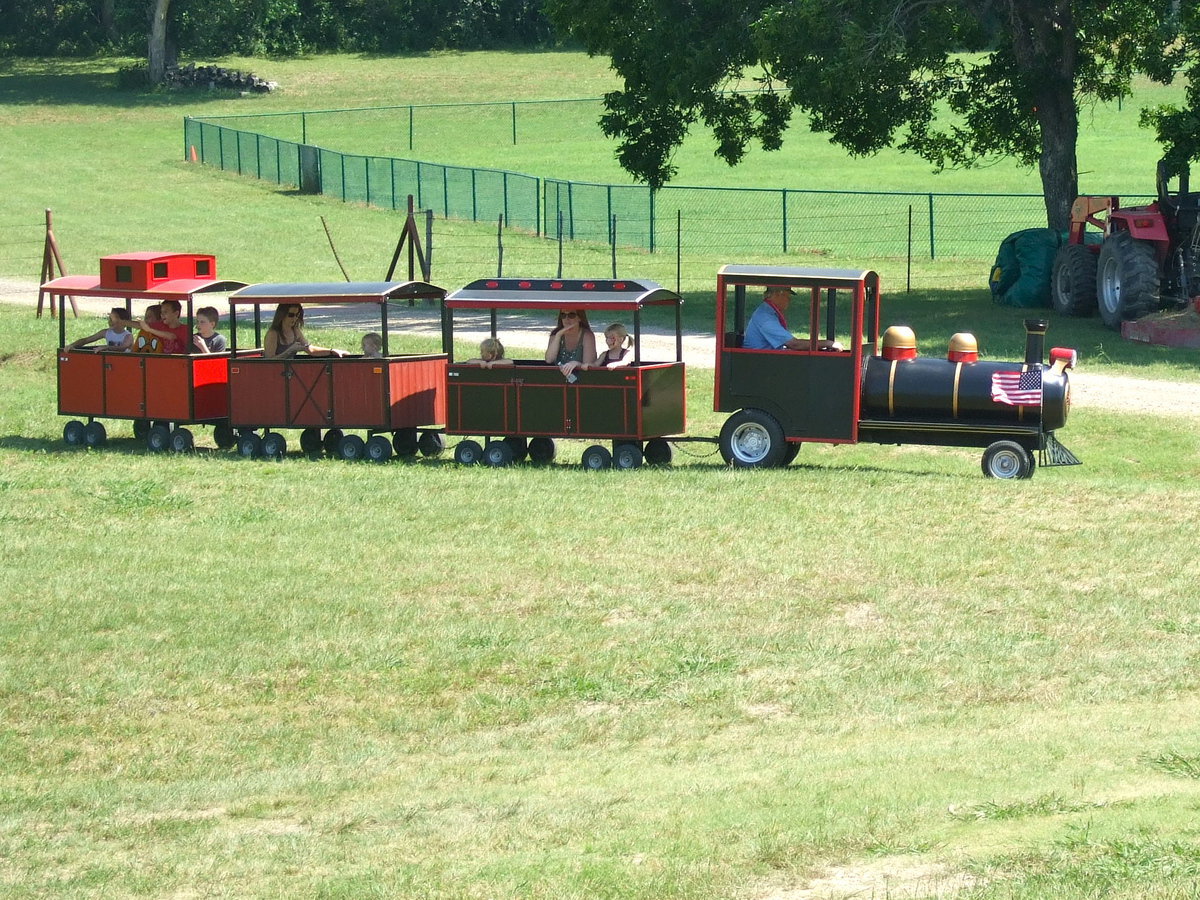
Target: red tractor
x=1141 y=259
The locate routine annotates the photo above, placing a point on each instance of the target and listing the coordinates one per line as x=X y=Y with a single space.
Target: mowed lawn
x=874 y=671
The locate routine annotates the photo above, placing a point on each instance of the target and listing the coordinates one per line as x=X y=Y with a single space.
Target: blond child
x=372 y=345
x=116 y=337
x=616 y=336
x=149 y=338
x=491 y=354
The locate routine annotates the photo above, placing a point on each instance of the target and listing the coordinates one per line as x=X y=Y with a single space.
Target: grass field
x=872 y=674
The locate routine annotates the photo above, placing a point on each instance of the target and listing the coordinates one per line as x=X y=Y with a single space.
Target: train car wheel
x=596 y=458
x=94 y=434
x=249 y=445
x=541 y=451
x=751 y=438
x=431 y=443
x=406 y=441
x=141 y=428
x=520 y=447
x=793 y=450
x=352 y=448
x=223 y=436
x=468 y=453
x=73 y=433
x=332 y=442
x=627 y=456
x=498 y=454
x=1007 y=459
x=182 y=440
x=274 y=445
x=158 y=438
x=310 y=441
x=379 y=448
x=658 y=452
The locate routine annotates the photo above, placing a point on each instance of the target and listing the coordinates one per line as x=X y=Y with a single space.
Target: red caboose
x=168 y=390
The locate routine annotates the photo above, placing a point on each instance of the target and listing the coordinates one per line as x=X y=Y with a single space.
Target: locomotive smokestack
x=1035 y=340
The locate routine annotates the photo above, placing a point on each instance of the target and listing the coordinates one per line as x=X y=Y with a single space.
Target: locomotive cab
x=781 y=398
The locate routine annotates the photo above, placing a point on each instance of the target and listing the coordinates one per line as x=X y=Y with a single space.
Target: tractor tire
x=1073 y=286
x=1128 y=281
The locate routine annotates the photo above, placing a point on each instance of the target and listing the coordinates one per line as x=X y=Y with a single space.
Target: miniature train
x=842 y=381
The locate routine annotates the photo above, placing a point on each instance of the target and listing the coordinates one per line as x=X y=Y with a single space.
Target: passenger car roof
x=561 y=293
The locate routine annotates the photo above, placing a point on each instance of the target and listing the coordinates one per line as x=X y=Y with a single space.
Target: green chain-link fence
x=729 y=220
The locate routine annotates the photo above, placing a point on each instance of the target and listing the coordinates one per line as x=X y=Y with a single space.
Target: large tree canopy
x=957 y=82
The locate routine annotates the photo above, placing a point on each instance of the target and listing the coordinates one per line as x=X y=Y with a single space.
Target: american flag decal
x=1018 y=388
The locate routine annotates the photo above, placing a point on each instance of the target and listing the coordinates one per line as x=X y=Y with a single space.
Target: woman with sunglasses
x=572 y=343
x=286 y=337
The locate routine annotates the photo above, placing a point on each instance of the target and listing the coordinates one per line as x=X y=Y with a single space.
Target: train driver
x=767 y=328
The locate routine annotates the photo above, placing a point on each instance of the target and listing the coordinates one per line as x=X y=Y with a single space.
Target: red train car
x=160 y=393
x=520 y=409
x=399 y=400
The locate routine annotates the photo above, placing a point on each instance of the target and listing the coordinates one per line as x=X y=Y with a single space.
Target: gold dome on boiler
x=899 y=342
x=963 y=347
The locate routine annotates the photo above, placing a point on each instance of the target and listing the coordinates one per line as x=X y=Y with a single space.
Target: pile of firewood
x=213 y=77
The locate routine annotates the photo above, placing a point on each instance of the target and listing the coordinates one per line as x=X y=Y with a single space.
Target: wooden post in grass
x=51 y=257
x=412 y=235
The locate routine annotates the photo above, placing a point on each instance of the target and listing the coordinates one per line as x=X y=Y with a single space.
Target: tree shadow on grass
x=71 y=83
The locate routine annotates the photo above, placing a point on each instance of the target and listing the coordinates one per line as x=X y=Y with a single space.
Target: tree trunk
x=108 y=19
x=157 y=52
x=1044 y=45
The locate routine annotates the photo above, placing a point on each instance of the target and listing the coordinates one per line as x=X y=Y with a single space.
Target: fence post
x=429 y=239
x=785 y=234
x=560 y=243
x=514 y=123
x=612 y=230
x=393 y=168
x=910 y=248
x=445 y=192
x=304 y=128
x=652 y=221
x=571 y=207
x=419 y=202
x=474 y=198
x=608 y=191
x=505 y=180
x=410 y=128
x=931 y=249
x=500 y=247
x=537 y=206
x=678 y=250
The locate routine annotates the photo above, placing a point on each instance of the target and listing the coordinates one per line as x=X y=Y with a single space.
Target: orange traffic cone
x=194 y=158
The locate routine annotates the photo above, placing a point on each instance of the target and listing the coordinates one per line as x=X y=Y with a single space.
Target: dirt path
x=1089 y=389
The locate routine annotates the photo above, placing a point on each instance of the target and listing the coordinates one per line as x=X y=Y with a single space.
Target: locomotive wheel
x=223 y=436
x=1007 y=459
x=541 y=451
x=1127 y=279
x=406 y=442
x=332 y=441
x=379 y=448
x=596 y=458
x=182 y=440
x=249 y=445
x=751 y=438
x=498 y=454
x=1073 y=285
x=94 y=434
x=431 y=443
x=627 y=456
x=141 y=428
x=310 y=441
x=520 y=447
x=658 y=452
x=274 y=445
x=468 y=453
x=158 y=438
x=73 y=433
x=352 y=448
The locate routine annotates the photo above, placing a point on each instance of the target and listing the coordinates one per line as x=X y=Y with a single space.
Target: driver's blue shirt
x=764 y=331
